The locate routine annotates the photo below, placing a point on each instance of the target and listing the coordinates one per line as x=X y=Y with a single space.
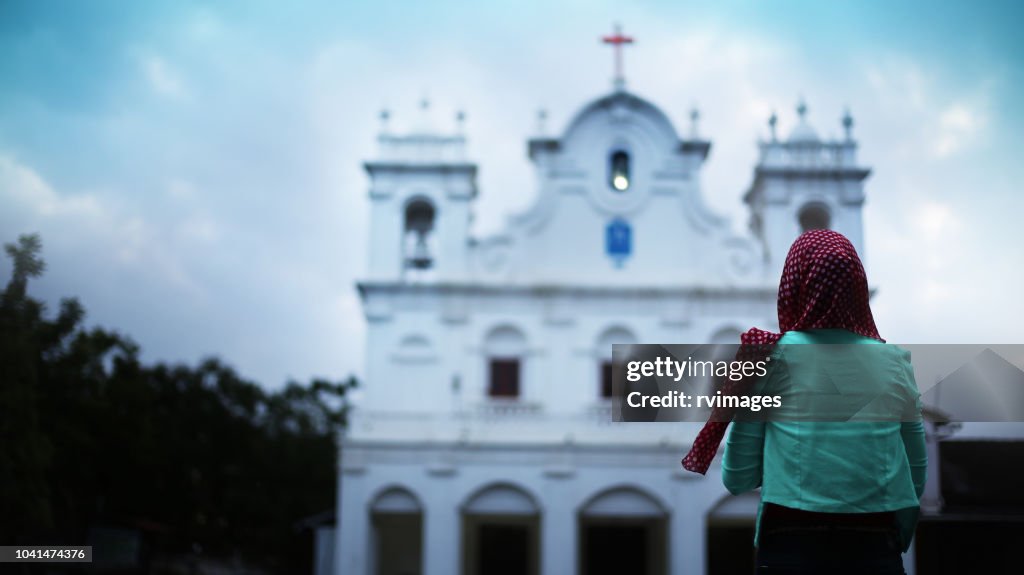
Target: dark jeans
x=834 y=550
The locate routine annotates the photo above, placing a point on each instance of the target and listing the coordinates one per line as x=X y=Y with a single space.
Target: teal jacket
x=834 y=466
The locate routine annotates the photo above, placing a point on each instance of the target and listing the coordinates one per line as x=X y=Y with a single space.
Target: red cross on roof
x=617 y=40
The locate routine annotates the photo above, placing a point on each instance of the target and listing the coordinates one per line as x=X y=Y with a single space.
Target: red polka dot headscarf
x=823 y=285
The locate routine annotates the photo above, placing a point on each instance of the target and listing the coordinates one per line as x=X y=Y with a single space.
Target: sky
x=194 y=168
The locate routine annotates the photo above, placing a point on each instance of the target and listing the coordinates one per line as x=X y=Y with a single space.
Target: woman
x=836 y=496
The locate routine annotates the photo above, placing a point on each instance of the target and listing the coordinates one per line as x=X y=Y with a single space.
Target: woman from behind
x=837 y=495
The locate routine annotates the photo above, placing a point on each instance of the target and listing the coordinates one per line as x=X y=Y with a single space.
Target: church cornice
x=378 y=167
x=537 y=146
x=561 y=290
x=832 y=173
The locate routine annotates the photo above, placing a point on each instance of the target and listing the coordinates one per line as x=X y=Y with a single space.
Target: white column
x=353 y=530
x=686 y=542
x=688 y=524
x=559 y=536
x=442 y=531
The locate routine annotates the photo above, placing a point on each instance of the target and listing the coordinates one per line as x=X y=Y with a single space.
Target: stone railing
x=508 y=408
x=808 y=155
x=420 y=148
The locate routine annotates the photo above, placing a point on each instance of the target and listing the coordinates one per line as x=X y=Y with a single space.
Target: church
x=483 y=443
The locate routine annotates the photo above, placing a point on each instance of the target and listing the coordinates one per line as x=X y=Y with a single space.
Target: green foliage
x=93 y=436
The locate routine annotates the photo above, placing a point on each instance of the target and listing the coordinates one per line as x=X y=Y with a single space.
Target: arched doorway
x=730 y=535
x=501 y=532
x=396 y=517
x=623 y=530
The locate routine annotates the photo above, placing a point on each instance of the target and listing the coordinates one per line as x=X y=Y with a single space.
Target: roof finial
x=801 y=109
x=385 y=115
x=424 y=122
x=617 y=39
x=773 y=120
x=694 y=118
x=848 y=124
x=542 y=118
x=460 y=120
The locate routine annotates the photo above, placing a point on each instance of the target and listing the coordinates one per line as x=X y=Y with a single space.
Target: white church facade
x=483 y=443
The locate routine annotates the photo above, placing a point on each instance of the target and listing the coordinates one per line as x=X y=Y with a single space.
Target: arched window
x=419 y=224
x=415 y=348
x=814 y=216
x=618 y=171
x=505 y=348
x=396 y=517
x=501 y=499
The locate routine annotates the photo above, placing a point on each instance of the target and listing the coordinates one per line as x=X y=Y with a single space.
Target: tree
x=25 y=452
x=95 y=437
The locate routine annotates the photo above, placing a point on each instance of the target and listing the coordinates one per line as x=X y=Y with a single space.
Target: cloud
x=932 y=238
x=162 y=78
x=927 y=115
x=185 y=282
x=23 y=186
x=181 y=190
x=959 y=124
x=935 y=220
x=238 y=225
x=101 y=230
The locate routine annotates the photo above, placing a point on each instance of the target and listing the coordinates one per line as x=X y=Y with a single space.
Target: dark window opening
x=504 y=549
x=622 y=545
x=504 y=378
x=615 y=549
x=606 y=379
x=618 y=173
x=419 y=224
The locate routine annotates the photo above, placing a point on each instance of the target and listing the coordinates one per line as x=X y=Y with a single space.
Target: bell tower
x=421 y=187
x=803 y=183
